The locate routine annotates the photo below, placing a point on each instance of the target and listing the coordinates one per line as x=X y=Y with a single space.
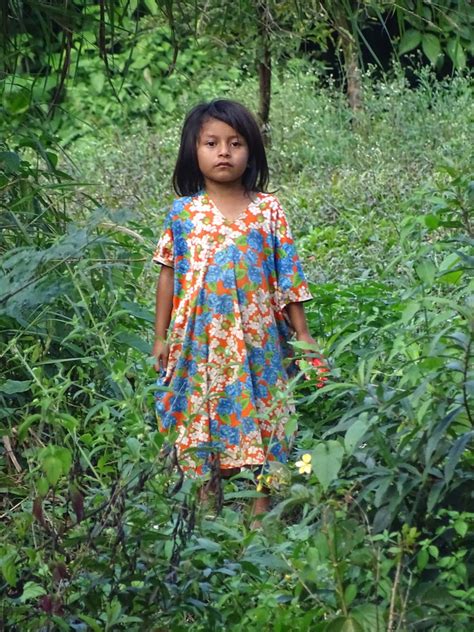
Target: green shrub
x=100 y=533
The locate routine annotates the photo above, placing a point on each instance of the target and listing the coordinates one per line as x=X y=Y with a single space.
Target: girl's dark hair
x=187 y=178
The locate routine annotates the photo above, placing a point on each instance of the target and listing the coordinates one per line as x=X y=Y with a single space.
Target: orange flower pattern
x=229 y=360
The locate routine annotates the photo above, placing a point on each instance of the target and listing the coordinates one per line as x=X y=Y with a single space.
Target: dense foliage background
x=370 y=146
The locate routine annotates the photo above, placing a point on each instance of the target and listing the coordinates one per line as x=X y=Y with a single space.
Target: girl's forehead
x=215 y=127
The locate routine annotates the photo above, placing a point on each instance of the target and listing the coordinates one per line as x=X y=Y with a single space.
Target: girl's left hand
x=317 y=362
x=306 y=337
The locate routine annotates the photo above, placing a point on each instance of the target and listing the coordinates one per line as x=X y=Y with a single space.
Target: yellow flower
x=304 y=466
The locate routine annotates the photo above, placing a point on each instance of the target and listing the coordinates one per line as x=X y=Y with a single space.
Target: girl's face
x=222 y=153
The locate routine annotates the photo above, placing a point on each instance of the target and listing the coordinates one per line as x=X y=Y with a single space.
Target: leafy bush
x=84 y=490
x=101 y=533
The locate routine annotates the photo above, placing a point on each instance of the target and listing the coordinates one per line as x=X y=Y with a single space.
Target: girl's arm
x=298 y=321
x=164 y=305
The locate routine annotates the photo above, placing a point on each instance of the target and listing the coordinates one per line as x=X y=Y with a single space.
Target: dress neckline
x=210 y=202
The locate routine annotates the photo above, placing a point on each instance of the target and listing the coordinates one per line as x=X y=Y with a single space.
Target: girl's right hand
x=160 y=352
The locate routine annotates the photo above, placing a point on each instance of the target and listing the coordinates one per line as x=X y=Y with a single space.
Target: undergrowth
x=101 y=532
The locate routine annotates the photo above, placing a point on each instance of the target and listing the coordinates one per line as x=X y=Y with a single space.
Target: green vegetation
x=99 y=530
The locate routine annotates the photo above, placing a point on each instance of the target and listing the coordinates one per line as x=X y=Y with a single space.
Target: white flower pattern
x=229 y=351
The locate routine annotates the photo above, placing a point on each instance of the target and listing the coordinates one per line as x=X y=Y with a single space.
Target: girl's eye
x=236 y=143
x=211 y=143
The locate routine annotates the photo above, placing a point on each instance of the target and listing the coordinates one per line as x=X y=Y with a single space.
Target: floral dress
x=222 y=395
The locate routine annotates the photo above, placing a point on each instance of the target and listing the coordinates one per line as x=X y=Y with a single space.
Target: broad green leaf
x=68 y=421
x=60 y=624
x=11 y=387
x=26 y=423
x=344 y=624
x=152 y=6
x=148 y=76
x=370 y=617
x=31 y=590
x=55 y=461
x=425 y=12
x=290 y=426
x=426 y=271
x=438 y=433
x=422 y=559
x=455 y=454
x=456 y=53
x=207 y=545
x=53 y=469
x=381 y=490
x=326 y=461
x=461 y=339
x=434 y=495
x=355 y=433
x=134 y=446
x=347 y=341
x=138 y=311
x=461 y=527
x=17 y=101
x=268 y=560
x=52 y=158
x=352 y=625
x=97 y=80
x=350 y=594
x=410 y=40
x=166 y=101
x=410 y=310
x=113 y=612
x=432 y=221
x=431 y=47
x=451 y=278
x=11 y=161
x=8 y=567
x=65 y=456
x=42 y=486
x=449 y=262
x=130 y=339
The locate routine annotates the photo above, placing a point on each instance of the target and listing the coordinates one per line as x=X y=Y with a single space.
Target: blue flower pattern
x=225 y=366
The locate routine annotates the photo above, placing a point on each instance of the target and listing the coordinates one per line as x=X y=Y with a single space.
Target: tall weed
x=100 y=532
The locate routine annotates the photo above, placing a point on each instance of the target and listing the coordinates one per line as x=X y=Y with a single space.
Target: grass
x=100 y=532
x=345 y=184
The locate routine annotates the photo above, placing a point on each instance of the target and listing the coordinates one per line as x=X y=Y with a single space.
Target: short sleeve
x=292 y=286
x=164 y=251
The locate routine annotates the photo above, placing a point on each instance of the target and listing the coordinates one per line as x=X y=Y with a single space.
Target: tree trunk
x=349 y=51
x=264 y=62
x=351 y=65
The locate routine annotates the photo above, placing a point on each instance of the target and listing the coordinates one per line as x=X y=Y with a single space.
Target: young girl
x=229 y=297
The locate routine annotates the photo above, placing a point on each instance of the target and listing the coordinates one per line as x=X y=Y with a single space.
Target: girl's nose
x=223 y=150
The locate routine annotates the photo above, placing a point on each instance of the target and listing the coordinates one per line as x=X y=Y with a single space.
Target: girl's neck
x=227 y=191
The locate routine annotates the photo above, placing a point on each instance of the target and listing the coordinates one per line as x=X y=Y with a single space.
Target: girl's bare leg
x=260 y=506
